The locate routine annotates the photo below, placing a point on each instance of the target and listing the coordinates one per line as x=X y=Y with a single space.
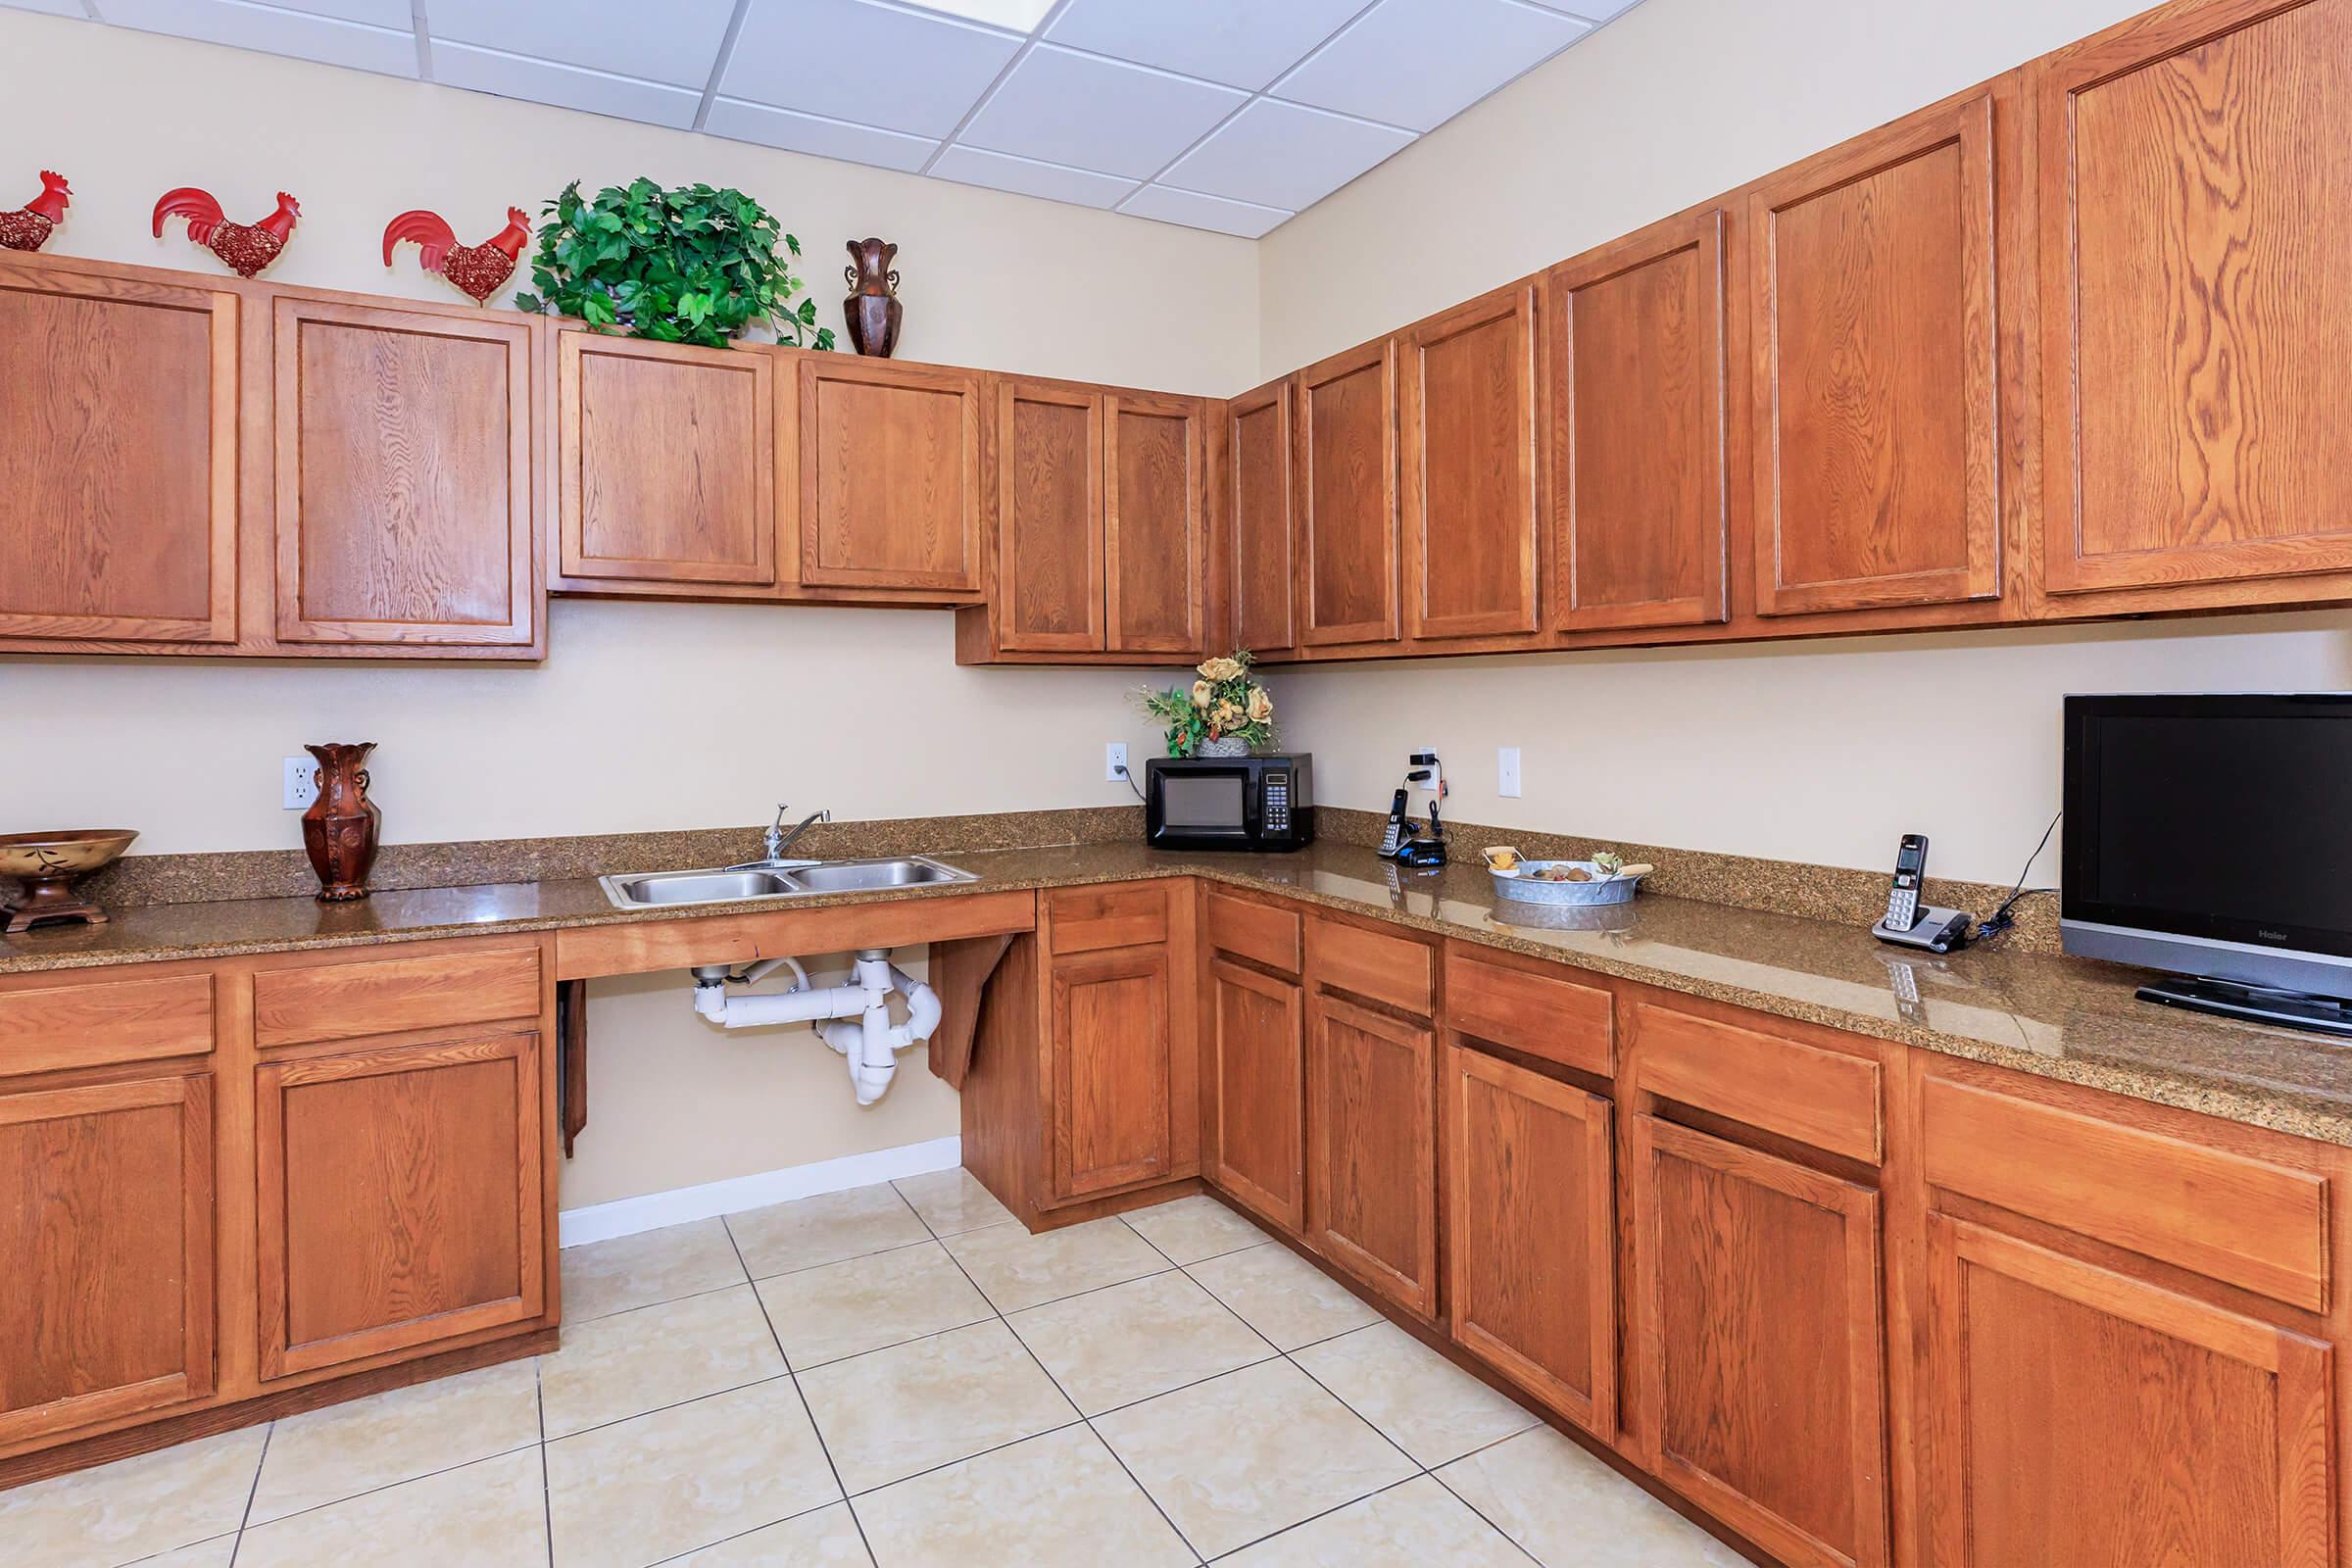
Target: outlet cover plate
x=1114 y=761
x=1506 y=772
x=301 y=782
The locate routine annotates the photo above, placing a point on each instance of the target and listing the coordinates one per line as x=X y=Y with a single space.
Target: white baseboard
x=626 y=1216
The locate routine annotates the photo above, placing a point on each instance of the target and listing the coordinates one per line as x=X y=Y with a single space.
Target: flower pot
x=1224 y=746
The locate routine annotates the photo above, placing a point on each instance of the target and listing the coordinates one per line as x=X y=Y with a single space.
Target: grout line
x=246 y=1518
x=1480 y=1512
x=369 y=1491
x=1301 y=1524
x=989 y=93
x=674 y=1404
x=830 y=1503
x=547 y=1499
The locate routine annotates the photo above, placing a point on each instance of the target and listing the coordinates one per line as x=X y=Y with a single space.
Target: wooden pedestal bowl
x=48 y=864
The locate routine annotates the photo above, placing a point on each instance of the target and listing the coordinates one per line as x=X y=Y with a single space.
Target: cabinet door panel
x=117 y=459
x=890 y=475
x=1157 y=532
x=1258 y=1068
x=1347 y=496
x=1876 y=392
x=1641 y=510
x=1372 y=1178
x=1467 y=440
x=1264 y=590
x=1115 y=1094
x=1048 y=519
x=106 y=1241
x=2083 y=1417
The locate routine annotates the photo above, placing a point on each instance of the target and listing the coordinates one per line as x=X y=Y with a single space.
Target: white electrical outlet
x=302 y=782
x=1114 y=760
x=1506 y=772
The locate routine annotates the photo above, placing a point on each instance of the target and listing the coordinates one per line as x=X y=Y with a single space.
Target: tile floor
x=899 y=1377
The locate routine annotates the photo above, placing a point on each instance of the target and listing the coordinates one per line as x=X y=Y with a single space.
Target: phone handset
x=1395 y=836
x=1910 y=874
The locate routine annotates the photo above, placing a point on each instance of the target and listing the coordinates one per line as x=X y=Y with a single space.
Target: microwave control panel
x=1278 y=802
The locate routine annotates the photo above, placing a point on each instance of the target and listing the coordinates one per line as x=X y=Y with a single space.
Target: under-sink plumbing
x=870 y=1044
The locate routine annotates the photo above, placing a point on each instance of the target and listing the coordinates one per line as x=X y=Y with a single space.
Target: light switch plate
x=301 y=783
x=1114 y=761
x=1506 y=772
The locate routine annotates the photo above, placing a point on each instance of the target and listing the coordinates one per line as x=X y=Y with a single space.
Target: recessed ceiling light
x=1020 y=16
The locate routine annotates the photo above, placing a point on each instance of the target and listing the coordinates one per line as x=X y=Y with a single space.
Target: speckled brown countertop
x=2058 y=1017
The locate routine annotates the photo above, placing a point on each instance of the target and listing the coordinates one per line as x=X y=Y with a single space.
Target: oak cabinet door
x=106 y=1243
x=1763 y=1344
x=1116 y=1113
x=1049 y=462
x=1372 y=1167
x=400 y=1197
x=1258 y=1072
x=403 y=478
x=1347 y=496
x=1156 y=529
x=117 y=459
x=1635 y=352
x=1467 y=439
x=667 y=466
x=890 y=475
x=1264 y=590
x=2080 y=1416
x=1531 y=1234
x=2197 y=352
x=1877 y=396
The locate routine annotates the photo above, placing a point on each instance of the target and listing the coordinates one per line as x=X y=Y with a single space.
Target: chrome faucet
x=777 y=840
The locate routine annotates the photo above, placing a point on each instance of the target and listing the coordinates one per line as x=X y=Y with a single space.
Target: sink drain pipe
x=870 y=1044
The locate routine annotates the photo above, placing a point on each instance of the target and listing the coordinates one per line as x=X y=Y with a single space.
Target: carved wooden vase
x=873 y=308
x=339 y=830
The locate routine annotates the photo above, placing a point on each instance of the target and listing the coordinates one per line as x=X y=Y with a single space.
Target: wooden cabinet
x=1371 y=1169
x=1049 y=520
x=1263 y=506
x=1638 y=372
x=1156 y=561
x=1256 y=1067
x=889 y=460
x=1347 y=497
x=1466 y=436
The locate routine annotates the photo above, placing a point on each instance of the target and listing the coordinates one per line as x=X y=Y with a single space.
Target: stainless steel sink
x=784 y=880
x=861 y=877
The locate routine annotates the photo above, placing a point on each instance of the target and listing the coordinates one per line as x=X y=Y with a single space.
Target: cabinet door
x=1761 y=1343
x=1641 y=511
x=1347 y=496
x=1257 y=1071
x=1049 y=462
x=2198 y=357
x=890 y=475
x=1876 y=389
x=1156 y=569
x=1263 y=502
x=1531 y=1234
x=106 y=1241
x=1114 y=1091
x=2083 y=1417
x=666 y=464
x=1466 y=435
x=404 y=477
x=117 y=459
x=1372 y=1167
x=400 y=1197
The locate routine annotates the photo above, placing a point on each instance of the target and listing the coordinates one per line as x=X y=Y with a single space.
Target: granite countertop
x=2057 y=1017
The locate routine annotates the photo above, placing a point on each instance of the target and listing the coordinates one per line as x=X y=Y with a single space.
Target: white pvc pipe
x=870 y=1046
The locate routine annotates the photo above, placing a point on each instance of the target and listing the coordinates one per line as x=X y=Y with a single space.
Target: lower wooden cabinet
x=1257 y=1066
x=1115 y=1121
x=1372 y=1167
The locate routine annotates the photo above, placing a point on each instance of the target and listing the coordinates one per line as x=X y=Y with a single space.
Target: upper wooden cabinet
x=1347 y=497
x=1876 y=398
x=889 y=460
x=1049 y=492
x=1261 y=507
x=1640 y=379
x=1155 y=523
x=2198 y=350
x=1466 y=431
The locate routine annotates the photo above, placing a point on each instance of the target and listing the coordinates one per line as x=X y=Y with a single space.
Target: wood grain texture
x=1372 y=1168
x=1263 y=933
x=1087 y=919
x=1346 y=490
x=1466 y=437
x=1530 y=1007
x=1396 y=971
x=54 y=1027
x=1115 y=1111
x=1263 y=506
x=1155 y=525
x=1827 y=1099
x=1048 y=518
x=1256 y=1088
x=890 y=475
x=642 y=947
x=467 y=985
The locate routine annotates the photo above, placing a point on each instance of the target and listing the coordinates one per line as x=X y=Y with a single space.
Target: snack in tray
x=1501 y=858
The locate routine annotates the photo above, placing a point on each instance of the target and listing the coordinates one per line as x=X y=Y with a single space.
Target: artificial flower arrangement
x=1225 y=714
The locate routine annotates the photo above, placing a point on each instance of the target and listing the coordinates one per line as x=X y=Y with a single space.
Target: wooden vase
x=340 y=828
x=873 y=309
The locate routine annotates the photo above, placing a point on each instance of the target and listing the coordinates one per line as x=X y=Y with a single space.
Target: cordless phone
x=1910 y=923
x=1395 y=836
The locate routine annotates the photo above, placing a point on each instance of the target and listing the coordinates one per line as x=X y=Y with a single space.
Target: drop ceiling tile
x=1195 y=211
x=274 y=31
x=1588 y=10
x=392 y=14
x=1014 y=15
x=1029 y=177
x=1083 y=111
x=54 y=7
x=814 y=133
x=868 y=63
x=567 y=86
x=1282 y=155
x=675 y=42
x=1419 y=63
x=1243 y=43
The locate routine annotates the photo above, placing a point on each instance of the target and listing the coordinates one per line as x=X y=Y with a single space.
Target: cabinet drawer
x=1390 y=969
x=2229 y=1216
x=345 y=1001
x=113 y=1020
x=1255 y=931
x=1083 y=919
x=1543 y=1015
x=1819 y=1096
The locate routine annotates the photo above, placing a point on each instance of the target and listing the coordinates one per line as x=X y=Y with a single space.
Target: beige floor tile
x=825 y=1229
x=1241 y=1457
x=1569 y=1510
x=492 y=1514
x=866 y=1303
x=213 y=1553
x=825 y=1539
x=1428 y=1406
x=1282 y=1296
x=1019 y=1270
x=603 y=1278
x=1114 y=1347
x=133 y=1508
x=1411 y=1526
x=888 y=1416
x=1194 y=1228
x=650 y=1487
x=633 y=1363
x=326 y=1455
x=1054 y=1502
x=952 y=1200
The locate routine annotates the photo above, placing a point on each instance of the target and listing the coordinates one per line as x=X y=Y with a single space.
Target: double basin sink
x=777 y=879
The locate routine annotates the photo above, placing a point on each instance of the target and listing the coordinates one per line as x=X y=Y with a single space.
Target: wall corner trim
x=626 y=1216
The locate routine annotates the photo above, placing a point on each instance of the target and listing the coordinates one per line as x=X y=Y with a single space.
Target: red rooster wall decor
x=247 y=248
x=477 y=271
x=27 y=227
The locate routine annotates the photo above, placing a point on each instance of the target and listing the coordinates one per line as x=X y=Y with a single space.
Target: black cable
x=2003 y=920
x=1128 y=775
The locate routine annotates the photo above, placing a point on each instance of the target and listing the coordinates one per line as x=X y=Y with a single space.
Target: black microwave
x=1229 y=803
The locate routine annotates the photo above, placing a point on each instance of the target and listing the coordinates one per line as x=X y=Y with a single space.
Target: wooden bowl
x=48 y=864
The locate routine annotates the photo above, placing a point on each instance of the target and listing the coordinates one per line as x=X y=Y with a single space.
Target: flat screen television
x=2211 y=836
